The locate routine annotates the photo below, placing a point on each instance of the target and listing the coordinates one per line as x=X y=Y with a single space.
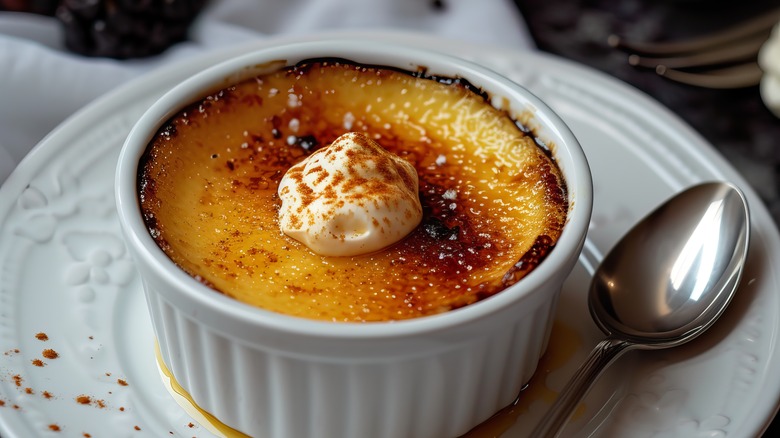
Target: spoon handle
x=600 y=357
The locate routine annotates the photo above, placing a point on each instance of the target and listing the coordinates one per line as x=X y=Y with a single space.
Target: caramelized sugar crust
x=494 y=202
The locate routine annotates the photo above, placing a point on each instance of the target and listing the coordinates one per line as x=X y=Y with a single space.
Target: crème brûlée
x=493 y=200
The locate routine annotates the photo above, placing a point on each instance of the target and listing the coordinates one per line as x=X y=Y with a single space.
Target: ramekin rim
x=578 y=177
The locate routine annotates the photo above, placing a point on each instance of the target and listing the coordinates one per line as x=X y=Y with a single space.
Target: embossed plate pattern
x=65 y=272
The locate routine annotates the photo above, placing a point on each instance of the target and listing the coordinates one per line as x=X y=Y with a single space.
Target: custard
x=494 y=201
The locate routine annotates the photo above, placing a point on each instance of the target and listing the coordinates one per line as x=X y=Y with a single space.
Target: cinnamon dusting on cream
x=350 y=198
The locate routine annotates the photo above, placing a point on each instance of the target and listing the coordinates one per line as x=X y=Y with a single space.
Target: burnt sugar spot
x=530 y=260
x=436 y=229
x=307 y=142
x=252 y=100
x=167 y=131
x=276 y=126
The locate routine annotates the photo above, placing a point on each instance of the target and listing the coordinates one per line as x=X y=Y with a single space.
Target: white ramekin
x=271 y=375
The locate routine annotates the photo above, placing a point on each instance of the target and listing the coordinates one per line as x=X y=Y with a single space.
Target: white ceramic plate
x=64 y=271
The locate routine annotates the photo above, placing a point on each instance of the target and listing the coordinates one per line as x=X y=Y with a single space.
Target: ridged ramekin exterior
x=440 y=386
x=271 y=375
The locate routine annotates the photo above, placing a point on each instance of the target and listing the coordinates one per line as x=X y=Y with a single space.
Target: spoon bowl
x=675 y=272
x=666 y=282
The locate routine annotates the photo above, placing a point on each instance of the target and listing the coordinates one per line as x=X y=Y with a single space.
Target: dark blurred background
x=735 y=121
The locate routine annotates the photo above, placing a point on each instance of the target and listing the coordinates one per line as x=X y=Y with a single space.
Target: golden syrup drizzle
x=564 y=342
x=183 y=398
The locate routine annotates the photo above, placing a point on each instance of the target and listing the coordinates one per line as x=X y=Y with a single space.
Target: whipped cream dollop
x=769 y=60
x=350 y=198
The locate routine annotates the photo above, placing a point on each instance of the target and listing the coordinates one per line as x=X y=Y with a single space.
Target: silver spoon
x=663 y=284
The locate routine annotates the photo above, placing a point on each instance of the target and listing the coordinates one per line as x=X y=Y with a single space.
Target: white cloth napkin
x=41 y=83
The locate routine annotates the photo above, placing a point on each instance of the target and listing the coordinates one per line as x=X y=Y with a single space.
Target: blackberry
x=124 y=29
